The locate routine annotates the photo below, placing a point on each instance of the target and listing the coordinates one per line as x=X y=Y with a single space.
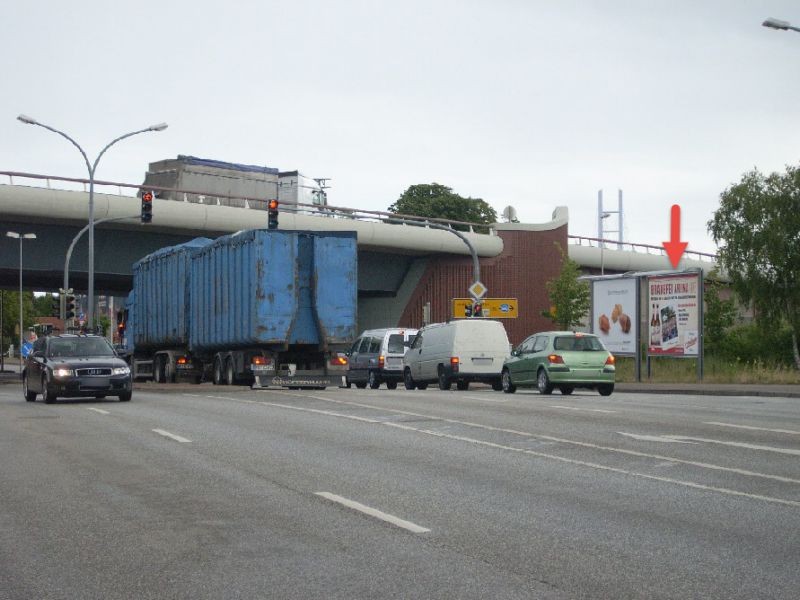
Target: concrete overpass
x=401 y=267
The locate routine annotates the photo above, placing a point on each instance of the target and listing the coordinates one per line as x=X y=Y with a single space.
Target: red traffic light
x=147 y=196
x=272 y=216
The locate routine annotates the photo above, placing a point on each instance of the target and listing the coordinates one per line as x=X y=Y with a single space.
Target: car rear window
x=577 y=343
x=395 y=344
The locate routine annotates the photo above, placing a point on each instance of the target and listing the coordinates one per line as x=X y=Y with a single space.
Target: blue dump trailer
x=259 y=307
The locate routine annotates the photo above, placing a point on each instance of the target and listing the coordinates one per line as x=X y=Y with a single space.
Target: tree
x=569 y=296
x=757 y=228
x=720 y=315
x=440 y=202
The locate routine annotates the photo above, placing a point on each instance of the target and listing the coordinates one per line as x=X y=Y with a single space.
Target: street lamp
x=602 y=243
x=778 y=24
x=20 y=237
x=92 y=167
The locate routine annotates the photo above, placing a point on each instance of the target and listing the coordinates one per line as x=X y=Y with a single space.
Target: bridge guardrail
x=580 y=240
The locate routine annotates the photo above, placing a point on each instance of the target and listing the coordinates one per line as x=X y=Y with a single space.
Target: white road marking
x=373 y=512
x=600 y=410
x=789 y=431
x=692 y=463
x=98 y=410
x=497 y=400
x=654 y=438
x=739 y=445
x=177 y=438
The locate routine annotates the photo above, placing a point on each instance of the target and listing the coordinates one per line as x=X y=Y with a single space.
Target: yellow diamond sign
x=477 y=290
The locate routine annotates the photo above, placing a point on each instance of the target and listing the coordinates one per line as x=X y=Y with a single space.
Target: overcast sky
x=525 y=103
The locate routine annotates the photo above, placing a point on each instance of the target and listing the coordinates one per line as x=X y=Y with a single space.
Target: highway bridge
x=401 y=267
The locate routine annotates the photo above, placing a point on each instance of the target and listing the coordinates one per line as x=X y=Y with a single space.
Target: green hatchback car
x=560 y=359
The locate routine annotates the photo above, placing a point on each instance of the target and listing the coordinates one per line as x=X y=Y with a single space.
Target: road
x=218 y=492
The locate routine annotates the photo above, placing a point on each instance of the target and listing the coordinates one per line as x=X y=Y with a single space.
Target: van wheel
x=218 y=380
x=505 y=381
x=462 y=386
x=543 y=383
x=374 y=382
x=422 y=386
x=444 y=380
x=408 y=381
x=391 y=385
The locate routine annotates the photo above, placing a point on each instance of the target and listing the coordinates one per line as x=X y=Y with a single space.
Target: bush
x=752 y=344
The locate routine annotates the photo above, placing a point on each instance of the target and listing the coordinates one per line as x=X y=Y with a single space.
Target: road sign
x=493 y=308
x=477 y=290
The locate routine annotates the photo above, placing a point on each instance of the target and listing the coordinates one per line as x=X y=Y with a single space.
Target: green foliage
x=439 y=201
x=569 y=296
x=753 y=344
x=720 y=315
x=10 y=315
x=757 y=228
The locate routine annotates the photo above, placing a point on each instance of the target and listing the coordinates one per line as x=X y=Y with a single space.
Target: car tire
x=497 y=386
x=230 y=376
x=566 y=390
x=47 y=396
x=29 y=395
x=462 y=386
x=543 y=383
x=422 y=386
x=361 y=385
x=125 y=396
x=391 y=385
x=506 y=383
x=444 y=380
x=218 y=379
x=606 y=389
x=408 y=381
x=374 y=382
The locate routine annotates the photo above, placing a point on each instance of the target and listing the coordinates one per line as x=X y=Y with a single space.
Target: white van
x=376 y=357
x=461 y=351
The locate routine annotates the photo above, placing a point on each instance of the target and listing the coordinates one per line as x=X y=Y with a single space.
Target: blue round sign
x=505 y=308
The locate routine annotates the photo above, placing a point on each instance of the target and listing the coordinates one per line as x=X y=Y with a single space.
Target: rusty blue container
x=160 y=316
x=273 y=288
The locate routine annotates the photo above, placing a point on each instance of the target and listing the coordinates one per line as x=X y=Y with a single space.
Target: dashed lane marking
x=373 y=512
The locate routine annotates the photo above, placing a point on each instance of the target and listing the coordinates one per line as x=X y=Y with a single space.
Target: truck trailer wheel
x=230 y=376
x=218 y=380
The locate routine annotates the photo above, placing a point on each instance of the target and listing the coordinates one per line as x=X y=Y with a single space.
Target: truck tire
x=230 y=376
x=218 y=379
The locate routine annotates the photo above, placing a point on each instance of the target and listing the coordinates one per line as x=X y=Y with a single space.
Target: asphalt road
x=217 y=492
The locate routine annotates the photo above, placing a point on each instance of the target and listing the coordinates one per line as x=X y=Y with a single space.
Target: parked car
x=71 y=365
x=376 y=357
x=460 y=351
x=560 y=359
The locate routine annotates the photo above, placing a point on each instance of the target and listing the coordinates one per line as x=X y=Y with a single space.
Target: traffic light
x=69 y=307
x=272 y=220
x=477 y=310
x=147 y=206
x=56 y=306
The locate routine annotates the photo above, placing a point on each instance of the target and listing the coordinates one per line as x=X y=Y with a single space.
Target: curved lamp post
x=778 y=24
x=20 y=237
x=92 y=167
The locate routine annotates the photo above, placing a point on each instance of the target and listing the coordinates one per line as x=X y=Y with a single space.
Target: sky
x=529 y=104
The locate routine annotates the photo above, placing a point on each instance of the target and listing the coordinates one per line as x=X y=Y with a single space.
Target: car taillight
x=611 y=360
x=182 y=360
x=340 y=360
x=555 y=359
x=381 y=361
x=454 y=364
x=260 y=360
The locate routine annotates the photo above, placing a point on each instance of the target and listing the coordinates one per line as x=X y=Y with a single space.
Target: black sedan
x=73 y=366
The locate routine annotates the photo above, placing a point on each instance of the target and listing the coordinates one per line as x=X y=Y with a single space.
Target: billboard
x=614 y=313
x=673 y=314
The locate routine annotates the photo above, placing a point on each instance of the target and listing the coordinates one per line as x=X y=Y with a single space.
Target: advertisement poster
x=673 y=314
x=614 y=314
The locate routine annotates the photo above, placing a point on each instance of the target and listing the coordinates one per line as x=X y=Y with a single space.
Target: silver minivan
x=376 y=357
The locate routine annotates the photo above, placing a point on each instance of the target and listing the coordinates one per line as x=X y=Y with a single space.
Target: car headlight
x=120 y=370
x=62 y=372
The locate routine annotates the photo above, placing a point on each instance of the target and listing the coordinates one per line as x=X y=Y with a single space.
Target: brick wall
x=528 y=261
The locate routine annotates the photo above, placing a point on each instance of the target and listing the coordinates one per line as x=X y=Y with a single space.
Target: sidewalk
x=703 y=389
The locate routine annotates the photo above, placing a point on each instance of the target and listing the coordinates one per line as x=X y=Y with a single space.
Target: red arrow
x=674 y=247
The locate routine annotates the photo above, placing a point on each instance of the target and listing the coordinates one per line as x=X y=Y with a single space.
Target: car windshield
x=577 y=343
x=80 y=347
x=396 y=345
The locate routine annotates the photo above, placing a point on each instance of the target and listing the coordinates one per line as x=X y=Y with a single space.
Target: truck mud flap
x=310 y=381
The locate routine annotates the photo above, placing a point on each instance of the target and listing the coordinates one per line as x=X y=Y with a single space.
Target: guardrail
x=580 y=240
x=252 y=203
